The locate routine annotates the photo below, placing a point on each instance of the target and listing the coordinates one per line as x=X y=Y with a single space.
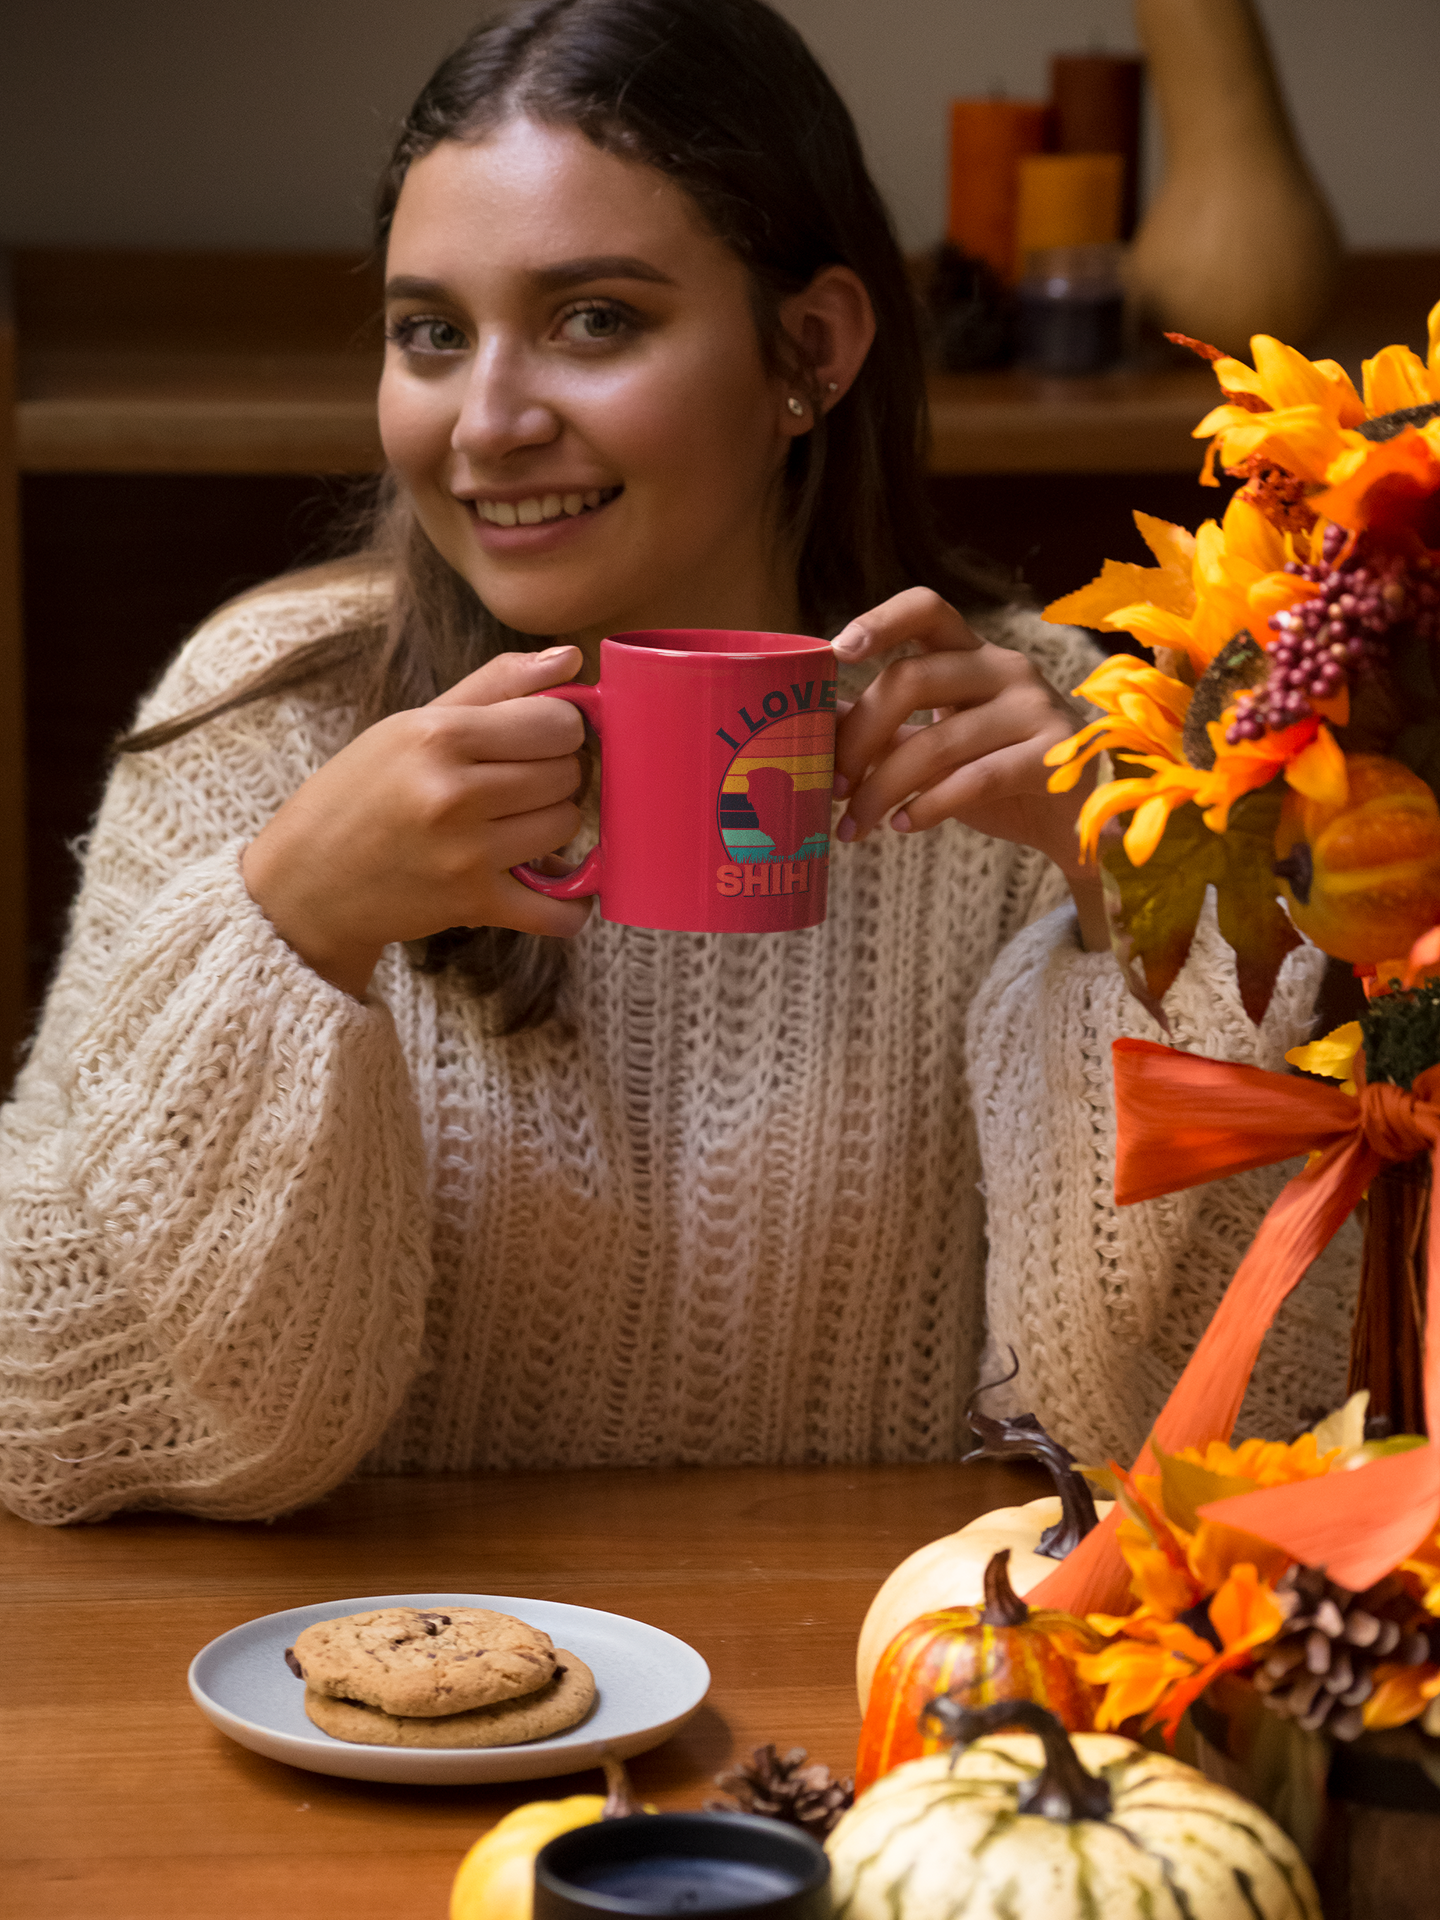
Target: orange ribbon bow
x=1182 y=1120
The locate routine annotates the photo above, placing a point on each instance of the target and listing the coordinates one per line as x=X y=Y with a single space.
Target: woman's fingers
x=972 y=679
x=509 y=676
x=916 y=617
x=512 y=730
x=981 y=757
x=967 y=737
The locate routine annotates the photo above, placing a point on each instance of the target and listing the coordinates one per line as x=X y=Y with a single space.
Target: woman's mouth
x=540 y=507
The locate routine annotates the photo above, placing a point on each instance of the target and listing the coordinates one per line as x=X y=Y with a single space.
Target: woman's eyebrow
x=599 y=266
x=564 y=273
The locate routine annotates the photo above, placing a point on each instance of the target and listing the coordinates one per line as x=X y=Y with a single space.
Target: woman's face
x=574 y=392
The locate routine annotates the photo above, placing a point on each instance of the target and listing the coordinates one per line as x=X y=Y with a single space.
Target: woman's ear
x=832 y=325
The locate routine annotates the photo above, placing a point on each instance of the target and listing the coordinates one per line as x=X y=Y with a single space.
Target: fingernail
x=550 y=655
x=841 y=787
x=847 y=829
x=850 y=640
x=900 y=821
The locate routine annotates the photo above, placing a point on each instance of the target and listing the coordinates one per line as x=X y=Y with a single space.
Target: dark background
x=119 y=568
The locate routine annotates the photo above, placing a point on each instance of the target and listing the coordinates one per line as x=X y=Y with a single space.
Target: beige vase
x=1238 y=239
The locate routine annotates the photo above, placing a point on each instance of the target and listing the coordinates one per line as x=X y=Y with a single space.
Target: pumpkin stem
x=620 y=1801
x=1003 y=1606
x=1020 y=1436
x=1063 y=1789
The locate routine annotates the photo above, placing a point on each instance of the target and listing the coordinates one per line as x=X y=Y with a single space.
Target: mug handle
x=585 y=880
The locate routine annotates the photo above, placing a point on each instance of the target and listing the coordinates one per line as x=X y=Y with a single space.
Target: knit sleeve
x=1102 y=1304
x=1064 y=656
x=213 y=1256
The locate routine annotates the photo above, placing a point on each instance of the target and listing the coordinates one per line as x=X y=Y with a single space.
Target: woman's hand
x=981 y=760
x=415 y=825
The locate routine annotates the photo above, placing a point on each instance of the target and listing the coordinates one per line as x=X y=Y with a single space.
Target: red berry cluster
x=1324 y=642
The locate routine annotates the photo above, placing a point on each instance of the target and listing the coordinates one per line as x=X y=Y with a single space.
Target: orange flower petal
x=1318 y=771
x=1388 y=488
x=1401 y=1694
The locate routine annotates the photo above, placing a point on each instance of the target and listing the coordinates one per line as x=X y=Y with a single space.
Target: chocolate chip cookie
x=422 y=1664
x=535 y=1716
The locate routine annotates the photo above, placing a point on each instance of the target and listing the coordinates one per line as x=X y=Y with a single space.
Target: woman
x=284 y=1197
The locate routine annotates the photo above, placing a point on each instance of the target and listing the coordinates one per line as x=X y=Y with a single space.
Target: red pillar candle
x=1097 y=110
x=987 y=140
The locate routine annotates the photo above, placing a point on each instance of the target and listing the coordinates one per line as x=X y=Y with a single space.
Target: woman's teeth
x=543 y=506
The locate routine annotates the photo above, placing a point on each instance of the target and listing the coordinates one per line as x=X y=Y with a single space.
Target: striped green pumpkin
x=943 y=1840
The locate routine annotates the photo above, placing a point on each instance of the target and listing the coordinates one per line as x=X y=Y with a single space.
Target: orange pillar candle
x=1067 y=200
x=987 y=141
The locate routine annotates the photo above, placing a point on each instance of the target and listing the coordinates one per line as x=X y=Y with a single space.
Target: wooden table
x=122 y=1803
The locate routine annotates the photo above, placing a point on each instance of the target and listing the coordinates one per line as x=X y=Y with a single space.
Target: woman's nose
x=502 y=410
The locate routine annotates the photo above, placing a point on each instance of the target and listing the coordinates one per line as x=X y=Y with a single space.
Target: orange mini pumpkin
x=977 y=1655
x=1363 y=880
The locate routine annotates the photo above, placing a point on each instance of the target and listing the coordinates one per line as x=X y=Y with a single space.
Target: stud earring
x=834 y=387
x=797 y=407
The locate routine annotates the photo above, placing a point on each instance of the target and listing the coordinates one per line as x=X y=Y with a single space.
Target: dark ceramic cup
x=683 y=1863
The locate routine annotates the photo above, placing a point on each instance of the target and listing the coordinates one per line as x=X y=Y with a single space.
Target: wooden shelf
x=196 y=362
x=267 y=363
x=97 y=411
x=86 y=410
x=1121 y=422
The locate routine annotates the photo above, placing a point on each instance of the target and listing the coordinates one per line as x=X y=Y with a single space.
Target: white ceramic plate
x=648 y=1683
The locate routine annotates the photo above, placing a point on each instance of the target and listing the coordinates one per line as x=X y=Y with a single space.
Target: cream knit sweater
x=255 y=1234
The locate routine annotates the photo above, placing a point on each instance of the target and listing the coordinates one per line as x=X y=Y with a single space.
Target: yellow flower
x=1333 y=1057
x=1292 y=412
x=1388 y=488
x=1145 y=721
x=1206 y=1599
x=1305 y=417
x=1268 y=1463
x=1158 y=1667
x=1227 y=579
x=1120 y=585
x=1401 y=1694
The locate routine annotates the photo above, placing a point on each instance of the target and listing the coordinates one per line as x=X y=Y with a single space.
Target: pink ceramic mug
x=719 y=759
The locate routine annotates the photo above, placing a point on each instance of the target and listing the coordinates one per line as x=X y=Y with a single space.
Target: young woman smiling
x=339 y=1145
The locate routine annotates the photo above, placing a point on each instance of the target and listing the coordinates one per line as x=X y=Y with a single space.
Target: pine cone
x=784 y=1789
x=1320 y=1669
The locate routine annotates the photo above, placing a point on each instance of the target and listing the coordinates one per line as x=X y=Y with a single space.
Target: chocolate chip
x=293 y=1664
x=442 y=1618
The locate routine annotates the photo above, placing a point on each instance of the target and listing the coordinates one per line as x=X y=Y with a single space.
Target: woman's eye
x=584 y=326
x=424 y=335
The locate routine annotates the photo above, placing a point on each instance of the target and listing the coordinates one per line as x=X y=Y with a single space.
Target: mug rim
x=639 y=640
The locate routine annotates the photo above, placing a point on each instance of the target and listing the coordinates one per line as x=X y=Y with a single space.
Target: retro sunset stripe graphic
x=775 y=797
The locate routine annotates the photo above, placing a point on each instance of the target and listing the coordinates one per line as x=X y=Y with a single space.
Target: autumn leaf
x=1153 y=909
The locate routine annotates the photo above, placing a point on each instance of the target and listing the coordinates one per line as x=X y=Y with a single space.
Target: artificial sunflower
x=1305 y=415
x=1367 y=464
x=1183 y=735
x=1207 y=1601
x=1227 y=579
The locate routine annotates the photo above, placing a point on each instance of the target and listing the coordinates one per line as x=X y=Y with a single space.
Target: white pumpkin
x=937 y=1838
x=950 y=1572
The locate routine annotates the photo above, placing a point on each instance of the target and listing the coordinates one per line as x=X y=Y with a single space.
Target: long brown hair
x=724 y=98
